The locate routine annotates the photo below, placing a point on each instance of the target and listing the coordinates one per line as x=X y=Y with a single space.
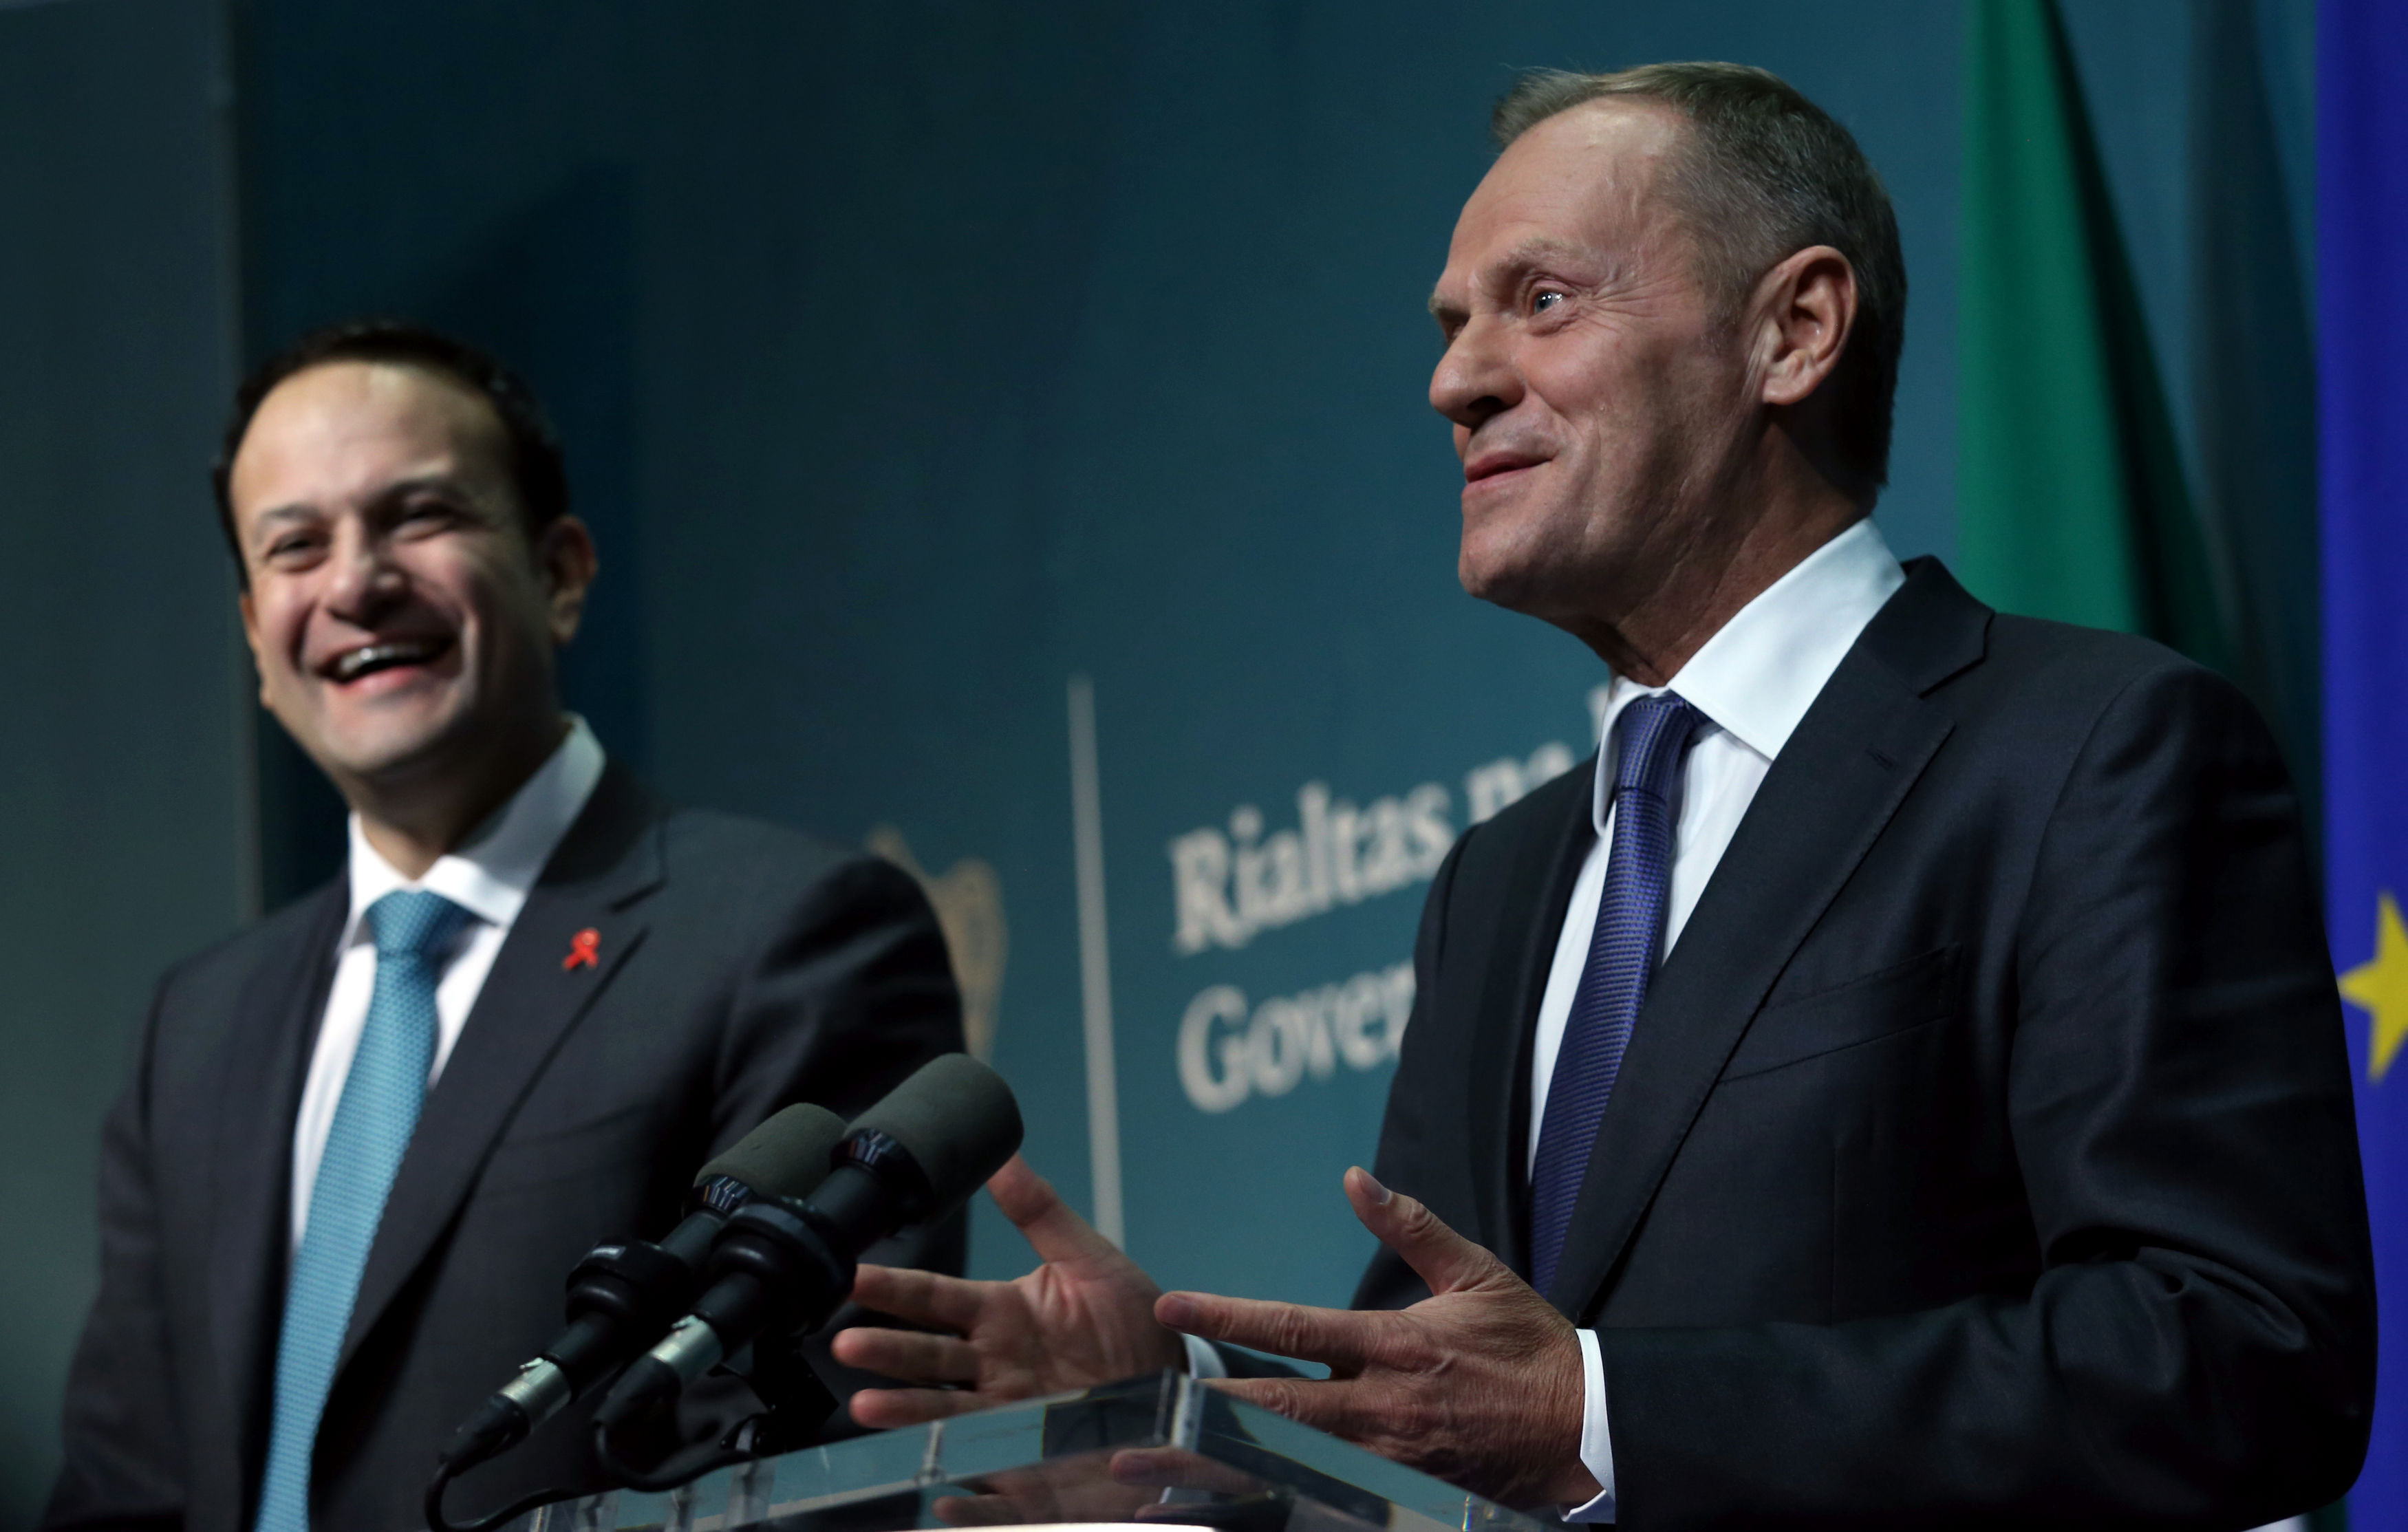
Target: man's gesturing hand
x=1479 y=1383
x=1084 y=1317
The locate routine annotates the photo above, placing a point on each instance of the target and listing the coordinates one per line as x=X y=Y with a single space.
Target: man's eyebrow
x=1541 y=249
x=448 y=482
x=295 y=512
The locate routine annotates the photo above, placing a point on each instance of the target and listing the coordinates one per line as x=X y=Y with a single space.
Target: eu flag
x=2362 y=295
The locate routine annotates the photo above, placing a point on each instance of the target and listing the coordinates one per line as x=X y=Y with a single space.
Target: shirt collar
x=493 y=870
x=1760 y=672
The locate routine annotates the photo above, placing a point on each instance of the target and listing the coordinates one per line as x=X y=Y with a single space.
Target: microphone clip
x=795 y=1269
x=794 y=1403
x=616 y=1280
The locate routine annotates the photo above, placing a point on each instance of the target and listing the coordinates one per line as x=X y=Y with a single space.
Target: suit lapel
x=538 y=989
x=275 y=1024
x=1856 y=755
x=1536 y=889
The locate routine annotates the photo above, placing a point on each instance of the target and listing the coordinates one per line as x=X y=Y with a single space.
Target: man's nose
x=366 y=580
x=1475 y=379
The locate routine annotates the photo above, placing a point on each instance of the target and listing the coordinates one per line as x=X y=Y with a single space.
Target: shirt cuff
x=1202 y=1360
x=1596 y=1446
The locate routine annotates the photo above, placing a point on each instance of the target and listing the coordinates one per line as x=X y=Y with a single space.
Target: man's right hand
x=1084 y=1317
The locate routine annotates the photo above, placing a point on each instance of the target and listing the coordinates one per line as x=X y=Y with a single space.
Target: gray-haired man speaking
x=1901 y=1083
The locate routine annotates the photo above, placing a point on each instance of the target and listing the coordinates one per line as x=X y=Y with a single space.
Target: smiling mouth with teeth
x=370 y=658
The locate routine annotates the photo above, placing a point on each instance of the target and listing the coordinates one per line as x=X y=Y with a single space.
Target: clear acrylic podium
x=1164 y=1452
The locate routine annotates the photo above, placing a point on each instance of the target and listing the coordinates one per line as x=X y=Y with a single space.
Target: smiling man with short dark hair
x=402 y=600
x=367 y=1138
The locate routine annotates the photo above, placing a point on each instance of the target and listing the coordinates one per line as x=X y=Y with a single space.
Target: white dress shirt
x=1754 y=679
x=489 y=876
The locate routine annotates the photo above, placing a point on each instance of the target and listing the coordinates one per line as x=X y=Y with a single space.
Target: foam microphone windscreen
x=786 y=1157
x=957 y=1119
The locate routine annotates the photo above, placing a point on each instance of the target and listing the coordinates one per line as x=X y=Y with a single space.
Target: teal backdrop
x=915 y=365
x=940 y=378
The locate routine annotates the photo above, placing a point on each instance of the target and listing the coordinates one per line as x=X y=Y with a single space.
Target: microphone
x=783 y=1265
x=621 y=1293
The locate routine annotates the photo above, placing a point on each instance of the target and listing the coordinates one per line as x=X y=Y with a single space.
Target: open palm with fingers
x=1479 y=1383
x=1084 y=1316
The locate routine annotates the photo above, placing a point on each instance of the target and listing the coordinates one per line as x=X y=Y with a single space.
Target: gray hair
x=1766 y=173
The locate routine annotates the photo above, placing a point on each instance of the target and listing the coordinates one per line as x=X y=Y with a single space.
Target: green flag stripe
x=2071 y=497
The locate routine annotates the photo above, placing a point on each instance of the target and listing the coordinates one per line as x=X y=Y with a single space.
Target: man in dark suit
x=367 y=1138
x=1901 y=1083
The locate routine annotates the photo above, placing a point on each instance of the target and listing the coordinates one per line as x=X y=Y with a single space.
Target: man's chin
x=389 y=757
x=1500 y=583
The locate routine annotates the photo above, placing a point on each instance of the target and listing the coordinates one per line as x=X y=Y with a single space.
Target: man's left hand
x=1479 y=1384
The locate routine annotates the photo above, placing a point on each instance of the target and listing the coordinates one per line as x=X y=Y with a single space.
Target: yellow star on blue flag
x=2380 y=986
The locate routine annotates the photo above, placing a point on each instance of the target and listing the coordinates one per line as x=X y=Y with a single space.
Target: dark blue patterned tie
x=1653 y=735
x=414 y=930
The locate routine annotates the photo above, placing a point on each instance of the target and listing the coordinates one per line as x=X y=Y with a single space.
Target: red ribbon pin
x=584 y=950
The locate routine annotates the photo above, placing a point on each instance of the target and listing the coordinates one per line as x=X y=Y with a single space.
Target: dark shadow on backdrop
x=2255 y=387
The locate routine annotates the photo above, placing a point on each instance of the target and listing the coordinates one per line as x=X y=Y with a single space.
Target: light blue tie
x=1653 y=741
x=373 y=1122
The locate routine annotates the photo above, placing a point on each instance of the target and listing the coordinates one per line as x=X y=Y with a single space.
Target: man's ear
x=566 y=560
x=1809 y=307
